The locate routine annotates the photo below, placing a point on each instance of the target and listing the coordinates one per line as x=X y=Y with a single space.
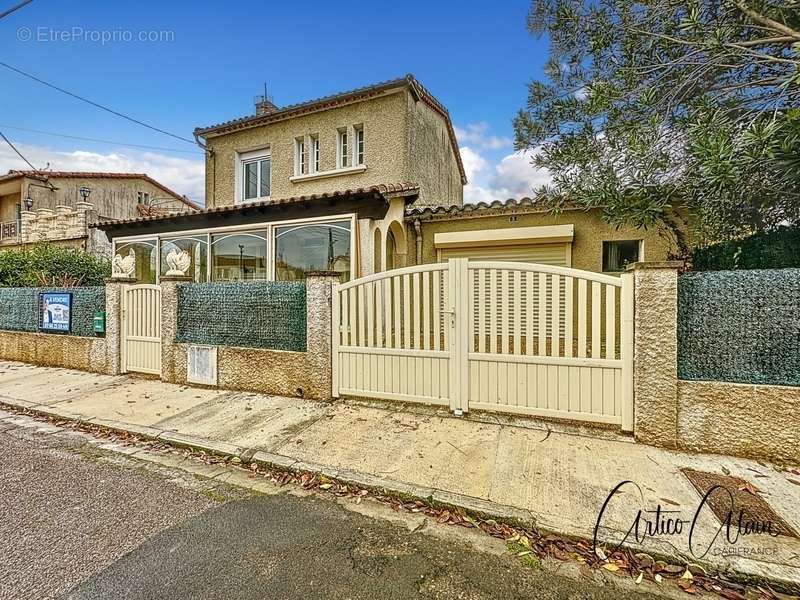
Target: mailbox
x=99 y=321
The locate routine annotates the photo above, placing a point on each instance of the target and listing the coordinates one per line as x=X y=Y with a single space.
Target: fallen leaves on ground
x=530 y=543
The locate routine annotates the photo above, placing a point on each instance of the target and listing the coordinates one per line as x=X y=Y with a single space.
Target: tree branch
x=766 y=21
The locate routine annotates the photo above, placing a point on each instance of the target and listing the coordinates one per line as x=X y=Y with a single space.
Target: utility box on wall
x=99 y=321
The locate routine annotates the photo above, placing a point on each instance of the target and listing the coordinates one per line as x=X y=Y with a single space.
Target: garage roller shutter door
x=546 y=254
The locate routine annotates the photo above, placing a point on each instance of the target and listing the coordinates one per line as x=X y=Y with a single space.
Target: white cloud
x=477 y=134
x=182 y=175
x=513 y=177
x=474 y=163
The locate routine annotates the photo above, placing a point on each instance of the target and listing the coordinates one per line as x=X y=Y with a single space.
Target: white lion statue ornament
x=123 y=266
x=178 y=262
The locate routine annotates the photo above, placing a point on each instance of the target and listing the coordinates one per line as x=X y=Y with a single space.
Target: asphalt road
x=78 y=522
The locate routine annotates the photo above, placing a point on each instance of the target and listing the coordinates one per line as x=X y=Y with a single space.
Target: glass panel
x=312 y=247
x=146 y=259
x=197 y=248
x=618 y=254
x=266 y=173
x=239 y=256
x=343 y=149
x=360 y=146
x=250 y=180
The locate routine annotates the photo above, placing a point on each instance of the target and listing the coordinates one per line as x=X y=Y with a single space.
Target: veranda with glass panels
x=277 y=250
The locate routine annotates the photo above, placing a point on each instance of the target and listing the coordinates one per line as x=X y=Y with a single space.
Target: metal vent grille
x=201 y=365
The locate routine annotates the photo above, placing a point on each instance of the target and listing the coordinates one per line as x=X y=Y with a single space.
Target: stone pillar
x=319 y=285
x=27 y=225
x=655 y=364
x=172 y=368
x=115 y=287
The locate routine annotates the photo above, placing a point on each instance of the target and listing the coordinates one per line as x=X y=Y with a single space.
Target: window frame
x=640 y=253
x=313 y=163
x=343 y=148
x=246 y=158
x=301 y=166
x=359 y=145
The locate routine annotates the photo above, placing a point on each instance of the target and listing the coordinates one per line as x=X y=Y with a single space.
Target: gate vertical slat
x=515 y=284
x=569 y=316
x=542 y=328
x=555 y=329
x=611 y=322
x=596 y=319
x=437 y=316
x=481 y=310
x=582 y=318
x=406 y=312
x=504 y=305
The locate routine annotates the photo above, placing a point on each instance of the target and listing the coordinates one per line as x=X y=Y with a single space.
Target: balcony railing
x=9 y=230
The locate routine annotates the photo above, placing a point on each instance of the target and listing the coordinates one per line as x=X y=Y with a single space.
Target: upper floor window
x=255 y=172
x=618 y=254
x=315 y=154
x=300 y=156
x=343 y=150
x=359 y=131
x=143 y=197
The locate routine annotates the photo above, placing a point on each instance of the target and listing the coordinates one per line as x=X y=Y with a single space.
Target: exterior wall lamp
x=84 y=192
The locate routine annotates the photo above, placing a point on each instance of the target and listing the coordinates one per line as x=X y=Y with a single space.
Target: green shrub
x=775 y=249
x=47 y=265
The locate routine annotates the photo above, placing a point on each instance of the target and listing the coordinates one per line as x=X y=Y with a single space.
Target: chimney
x=264 y=105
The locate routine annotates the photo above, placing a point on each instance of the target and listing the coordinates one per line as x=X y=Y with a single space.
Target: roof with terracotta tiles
x=44 y=175
x=385 y=190
x=496 y=206
x=327 y=102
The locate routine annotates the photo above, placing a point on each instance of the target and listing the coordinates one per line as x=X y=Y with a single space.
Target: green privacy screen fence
x=19 y=308
x=255 y=314
x=740 y=326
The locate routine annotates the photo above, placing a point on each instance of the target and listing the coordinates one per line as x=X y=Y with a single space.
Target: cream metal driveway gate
x=141 y=329
x=512 y=337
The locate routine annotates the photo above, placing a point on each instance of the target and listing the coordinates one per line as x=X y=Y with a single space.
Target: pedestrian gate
x=141 y=329
x=520 y=338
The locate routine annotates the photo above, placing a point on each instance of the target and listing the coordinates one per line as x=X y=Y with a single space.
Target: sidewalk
x=557 y=475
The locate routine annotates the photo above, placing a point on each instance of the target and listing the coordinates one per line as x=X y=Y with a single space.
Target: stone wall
x=97 y=354
x=757 y=421
x=754 y=421
x=304 y=374
x=53 y=350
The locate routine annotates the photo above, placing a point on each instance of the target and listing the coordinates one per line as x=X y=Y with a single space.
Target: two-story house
x=320 y=185
x=57 y=206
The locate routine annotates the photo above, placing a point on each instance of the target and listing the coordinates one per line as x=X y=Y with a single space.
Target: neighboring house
x=359 y=182
x=57 y=206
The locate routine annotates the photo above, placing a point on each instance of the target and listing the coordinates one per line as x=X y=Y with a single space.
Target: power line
x=5 y=13
x=88 y=139
x=95 y=104
x=14 y=148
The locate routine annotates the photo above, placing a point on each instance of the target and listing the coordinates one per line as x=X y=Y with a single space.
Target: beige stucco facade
x=586 y=251
x=405 y=141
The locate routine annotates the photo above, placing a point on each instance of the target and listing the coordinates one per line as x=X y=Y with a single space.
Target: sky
x=181 y=64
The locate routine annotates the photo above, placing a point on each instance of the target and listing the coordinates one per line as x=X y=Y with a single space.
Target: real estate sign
x=55 y=312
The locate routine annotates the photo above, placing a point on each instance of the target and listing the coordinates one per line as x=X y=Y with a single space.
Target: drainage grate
x=752 y=505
